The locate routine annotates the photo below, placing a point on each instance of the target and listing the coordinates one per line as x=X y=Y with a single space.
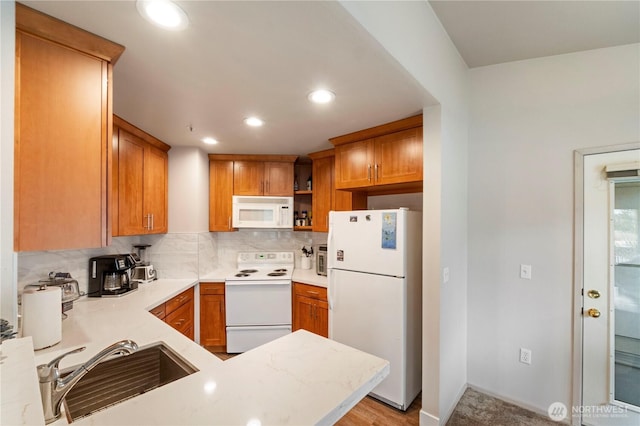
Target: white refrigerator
x=375 y=296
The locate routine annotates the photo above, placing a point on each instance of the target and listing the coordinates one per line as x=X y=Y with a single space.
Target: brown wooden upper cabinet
x=325 y=196
x=220 y=195
x=238 y=174
x=386 y=155
x=62 y=154
x=263 y=178
x=140 y=181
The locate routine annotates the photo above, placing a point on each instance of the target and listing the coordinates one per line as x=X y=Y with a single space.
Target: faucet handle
x=47 y=372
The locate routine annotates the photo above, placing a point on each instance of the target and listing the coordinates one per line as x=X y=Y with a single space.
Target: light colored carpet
x=478 y=409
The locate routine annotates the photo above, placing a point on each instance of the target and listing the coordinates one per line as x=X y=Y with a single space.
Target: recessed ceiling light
x=253 y=121
x=321 y=96
x=163 y=13
x=210 y=141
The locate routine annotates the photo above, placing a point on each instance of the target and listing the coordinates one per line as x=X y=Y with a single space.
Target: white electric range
x=258 y=299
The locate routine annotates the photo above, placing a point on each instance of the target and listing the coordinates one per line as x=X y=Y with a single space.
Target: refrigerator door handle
x=331 y=290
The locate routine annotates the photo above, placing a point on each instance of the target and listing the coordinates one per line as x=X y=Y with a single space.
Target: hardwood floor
x=372 y=412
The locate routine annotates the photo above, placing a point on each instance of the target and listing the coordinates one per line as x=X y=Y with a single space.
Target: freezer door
x=368 y=313
x=368 y=241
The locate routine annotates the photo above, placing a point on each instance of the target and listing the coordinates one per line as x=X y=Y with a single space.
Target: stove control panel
x=265 y=258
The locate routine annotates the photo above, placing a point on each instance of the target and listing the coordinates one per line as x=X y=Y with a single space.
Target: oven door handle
x=261 y=327
x=260 y=282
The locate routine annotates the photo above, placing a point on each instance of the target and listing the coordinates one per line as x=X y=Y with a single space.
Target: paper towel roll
x=42 y=316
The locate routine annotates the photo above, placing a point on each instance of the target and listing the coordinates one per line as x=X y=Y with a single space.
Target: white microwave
x=262 y=212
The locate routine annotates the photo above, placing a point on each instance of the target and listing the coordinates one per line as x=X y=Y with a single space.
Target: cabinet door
x=212 y=315
x=60 y=147
x=399 y=157
x=156 y=189
x=220 y=195
x=322 y=198
x=131 y=156
x=354 y=164
x=182 y=319
x=278 y=178
x=248 y=178
x=322 y=318
x=304 y=314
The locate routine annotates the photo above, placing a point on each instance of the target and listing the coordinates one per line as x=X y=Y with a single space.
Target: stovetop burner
x=263 y=266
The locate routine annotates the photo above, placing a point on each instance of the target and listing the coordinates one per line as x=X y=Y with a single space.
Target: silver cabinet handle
x=369 y=172
x=376 y=172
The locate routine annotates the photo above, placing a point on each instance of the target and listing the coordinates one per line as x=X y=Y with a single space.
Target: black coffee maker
x=110 y=275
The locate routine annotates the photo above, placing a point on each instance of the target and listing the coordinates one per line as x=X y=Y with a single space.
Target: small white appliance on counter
x=258 y=299
x=262 y=212
x=375 y=280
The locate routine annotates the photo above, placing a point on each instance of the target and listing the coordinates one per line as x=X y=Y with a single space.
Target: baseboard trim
x=427 y=419
x=453 y=407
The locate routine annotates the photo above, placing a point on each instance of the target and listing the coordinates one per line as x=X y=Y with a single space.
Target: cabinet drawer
x=211 y=288
x=159 y=311
x=310 y=291
x=182 y=319
x=184 y=297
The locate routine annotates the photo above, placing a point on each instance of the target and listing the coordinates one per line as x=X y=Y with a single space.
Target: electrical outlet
x=445 y=275
x=525 y=356
x=525 y=272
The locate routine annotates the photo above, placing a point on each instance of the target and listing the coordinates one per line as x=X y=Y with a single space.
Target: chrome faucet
x=53 y=389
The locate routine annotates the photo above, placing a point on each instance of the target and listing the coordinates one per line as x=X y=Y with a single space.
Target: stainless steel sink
x=122 y=378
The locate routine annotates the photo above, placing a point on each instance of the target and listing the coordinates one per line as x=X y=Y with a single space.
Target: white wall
x=188 y=190
x=412 y=34
x=8 y=261
x=527 y=118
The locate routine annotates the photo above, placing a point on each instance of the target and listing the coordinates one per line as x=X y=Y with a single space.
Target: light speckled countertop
x=309 y=276
x=298 y=379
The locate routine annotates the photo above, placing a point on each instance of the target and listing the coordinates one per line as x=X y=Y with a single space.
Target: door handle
x=593 y=313
x=594 y=294
x=369 y=172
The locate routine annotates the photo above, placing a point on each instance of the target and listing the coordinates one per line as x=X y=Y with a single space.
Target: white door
x=611 y=301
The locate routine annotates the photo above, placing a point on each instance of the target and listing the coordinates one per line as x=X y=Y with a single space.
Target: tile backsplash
x=184 y=255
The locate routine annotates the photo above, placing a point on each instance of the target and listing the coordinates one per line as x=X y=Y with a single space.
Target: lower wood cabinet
x=178 y=312
x=212 y=316
x=310 y=309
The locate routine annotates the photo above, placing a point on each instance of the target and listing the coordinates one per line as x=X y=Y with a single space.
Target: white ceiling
x=493 y=32
x=241 y=58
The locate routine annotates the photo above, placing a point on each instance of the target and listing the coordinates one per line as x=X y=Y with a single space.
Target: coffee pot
x=109 y=275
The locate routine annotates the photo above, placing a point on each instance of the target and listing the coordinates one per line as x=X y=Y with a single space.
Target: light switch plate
x=525 y=272
x=445 y=275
